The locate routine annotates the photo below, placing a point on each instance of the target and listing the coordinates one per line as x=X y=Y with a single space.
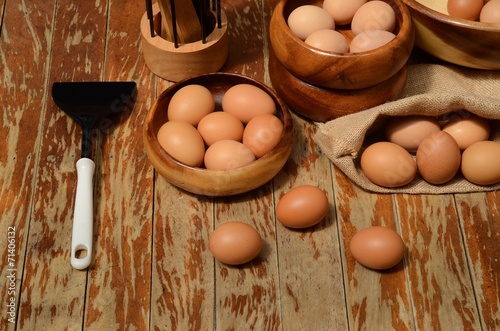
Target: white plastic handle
x=83 y=218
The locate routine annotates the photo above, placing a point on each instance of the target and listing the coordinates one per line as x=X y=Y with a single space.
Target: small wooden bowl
x=323 y=104
x=187 y=60
x=215 y=182
x=340 y=70
x=466 y=43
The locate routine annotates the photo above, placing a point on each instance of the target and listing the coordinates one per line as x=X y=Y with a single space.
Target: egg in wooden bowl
x=202 y=149
x=465 y=42
x=341 y=70
x=331 y=58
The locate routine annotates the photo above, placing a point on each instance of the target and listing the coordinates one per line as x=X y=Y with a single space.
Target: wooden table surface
x=152 y=269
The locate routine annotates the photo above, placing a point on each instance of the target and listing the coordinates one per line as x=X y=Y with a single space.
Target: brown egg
x=468 y=130
x=228 y=154
x=342 y=11
x=466 y=9
x=328 y=40
x=262 y=134
x=190 y=104
x=388 y=164
x=370 y=39
x=235 y=243
x=438 y=158
x=481 y=163
x=374 y=15
x=220 y=125
x=490 y=12
x=183 y=142
x=302 y=207
x=409 y=131
x=246 y=101
x=306 y=19
x=377 y=247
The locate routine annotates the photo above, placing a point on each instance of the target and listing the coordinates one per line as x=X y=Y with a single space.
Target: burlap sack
x=431 y=89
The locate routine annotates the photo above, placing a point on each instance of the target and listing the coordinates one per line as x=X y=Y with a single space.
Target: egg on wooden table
x=377 y=247
x=302 y=207
x=235 y=243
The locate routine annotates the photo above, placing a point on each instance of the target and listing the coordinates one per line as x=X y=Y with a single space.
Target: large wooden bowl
x=211 y=182
x=323 y=104
x=340 y=70
x=466 y=43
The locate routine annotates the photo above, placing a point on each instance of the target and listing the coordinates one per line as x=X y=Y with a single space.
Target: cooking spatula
x=90 y=104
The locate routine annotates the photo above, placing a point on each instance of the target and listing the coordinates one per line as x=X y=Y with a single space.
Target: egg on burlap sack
x=438 y=158
x=481 y=163
x=431 y=90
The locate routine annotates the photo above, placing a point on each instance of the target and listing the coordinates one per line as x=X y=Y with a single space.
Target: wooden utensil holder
x=187 y=60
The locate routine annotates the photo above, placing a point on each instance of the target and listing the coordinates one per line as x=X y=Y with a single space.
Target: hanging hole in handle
x=81 y=252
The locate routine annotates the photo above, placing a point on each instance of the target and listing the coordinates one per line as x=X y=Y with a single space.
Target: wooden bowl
x=466 y=43
x=340 y=70
x=215 y=182
x=323 y=104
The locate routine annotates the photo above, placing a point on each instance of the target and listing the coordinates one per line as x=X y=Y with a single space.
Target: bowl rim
x=404 y=30
x=454 y=21
x=286 y=119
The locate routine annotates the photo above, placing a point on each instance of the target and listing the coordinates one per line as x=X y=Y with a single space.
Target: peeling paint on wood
x=152 y=269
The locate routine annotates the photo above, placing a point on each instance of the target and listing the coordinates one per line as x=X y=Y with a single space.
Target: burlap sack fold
x=431 y=89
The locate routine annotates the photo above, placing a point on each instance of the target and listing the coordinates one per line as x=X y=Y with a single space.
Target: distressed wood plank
x=248 y=295
x=310 y=268
x=183 y=270
x=53 y=292
x=124 y=177
x=152 y=267
x=436 y=265
x=183 y=275
x=22 y=96
x=480 y=220
x=376 y=300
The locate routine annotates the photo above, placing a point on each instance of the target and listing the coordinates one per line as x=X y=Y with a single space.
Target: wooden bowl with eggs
x=340 y=70
x=459 y=41
x=199 y=180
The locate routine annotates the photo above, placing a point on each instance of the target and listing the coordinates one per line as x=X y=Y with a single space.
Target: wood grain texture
x=438 y=274
x=23 y=100
x=119 y=294
x=48 y=277
x=152 y=269
x=311 y=284
x=480 y=226
x=375 y=299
